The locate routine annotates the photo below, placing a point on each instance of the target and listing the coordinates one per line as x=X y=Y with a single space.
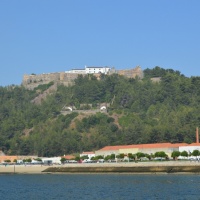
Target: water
x=100 y=186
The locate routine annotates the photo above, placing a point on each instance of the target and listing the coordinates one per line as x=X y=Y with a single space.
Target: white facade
x=189 y=149
x=96 y=70
x=89 y=154
x=53 y=160
x=90 y=70
x=108 y=152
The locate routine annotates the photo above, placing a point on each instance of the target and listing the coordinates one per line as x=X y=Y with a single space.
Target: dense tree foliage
x=141 y=111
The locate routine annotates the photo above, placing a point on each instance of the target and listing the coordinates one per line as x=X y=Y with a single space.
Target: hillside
x=140 y=111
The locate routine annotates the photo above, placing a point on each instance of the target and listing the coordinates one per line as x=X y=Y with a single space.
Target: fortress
x=67 y=78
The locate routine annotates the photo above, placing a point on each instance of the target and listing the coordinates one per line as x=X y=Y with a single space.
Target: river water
x=100 y=186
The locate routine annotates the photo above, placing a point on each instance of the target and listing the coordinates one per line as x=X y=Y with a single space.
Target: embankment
x=164 y=167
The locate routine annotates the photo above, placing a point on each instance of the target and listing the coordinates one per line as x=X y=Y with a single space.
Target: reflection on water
x=100 y=186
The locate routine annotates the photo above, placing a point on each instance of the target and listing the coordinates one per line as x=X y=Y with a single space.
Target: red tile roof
x=194 y=144
x=69 y=157
x=143 y=146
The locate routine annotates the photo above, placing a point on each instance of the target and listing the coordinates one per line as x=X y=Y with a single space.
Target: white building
x=90 y=70
x=97 y=70
x=89 y=154
x=190 y=148
x=52 y=160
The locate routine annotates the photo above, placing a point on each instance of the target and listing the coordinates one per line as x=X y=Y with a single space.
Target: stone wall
x=124 y=168
x=32 y=81
x=132 y=73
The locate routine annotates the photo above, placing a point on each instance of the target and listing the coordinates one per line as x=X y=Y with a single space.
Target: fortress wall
x=32 y=81
x=68 y=78
x=131 y=73
x=41 y=78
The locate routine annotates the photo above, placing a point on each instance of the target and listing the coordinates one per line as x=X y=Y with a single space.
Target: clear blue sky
x=41 y=36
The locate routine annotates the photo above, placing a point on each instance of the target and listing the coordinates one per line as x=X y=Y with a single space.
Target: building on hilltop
x=67 y=78
x=97 y=70
x=90 y=70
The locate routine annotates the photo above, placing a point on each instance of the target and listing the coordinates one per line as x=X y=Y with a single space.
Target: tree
x=108 y=157
x=7 y=161
x=84 y=157
x=27 y=160
x=175 y=154
x=62 y=160
x=140 y=155
x=184 y=153
x=77 y=158
x=97 y=157
x=38 y=159
x=161 y=154
x=121 y=155
x=112 y=156
x=148 y=156
x=195 y=153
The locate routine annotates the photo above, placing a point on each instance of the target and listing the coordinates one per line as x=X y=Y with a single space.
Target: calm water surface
x=100 y=186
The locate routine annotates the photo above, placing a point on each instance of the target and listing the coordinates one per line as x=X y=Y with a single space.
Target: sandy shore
x=22 y=169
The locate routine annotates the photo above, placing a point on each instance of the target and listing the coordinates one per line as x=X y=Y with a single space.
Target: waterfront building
x=168 y=148
x=89 y=154
x=4 y=158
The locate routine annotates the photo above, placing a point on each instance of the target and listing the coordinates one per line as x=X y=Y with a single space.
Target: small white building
x=89 y=154
x=103 y=108
x=51 y=160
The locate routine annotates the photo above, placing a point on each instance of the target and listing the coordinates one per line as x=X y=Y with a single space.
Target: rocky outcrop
x=41 y=97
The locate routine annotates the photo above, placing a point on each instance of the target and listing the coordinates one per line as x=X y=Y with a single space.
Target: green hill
x=140 y=111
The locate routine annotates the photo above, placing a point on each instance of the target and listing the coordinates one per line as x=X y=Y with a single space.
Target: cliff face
x=32 y=81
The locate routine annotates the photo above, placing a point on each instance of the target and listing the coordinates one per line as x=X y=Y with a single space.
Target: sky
x=44 y=36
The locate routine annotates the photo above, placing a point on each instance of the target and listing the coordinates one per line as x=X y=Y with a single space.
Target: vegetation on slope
x=147 y=112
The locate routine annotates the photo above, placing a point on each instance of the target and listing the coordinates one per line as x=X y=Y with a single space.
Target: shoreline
x=22 y=169
x=160 y=167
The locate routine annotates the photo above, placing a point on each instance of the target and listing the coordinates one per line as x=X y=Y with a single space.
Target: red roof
x=143 y=146
x=68 y=157
x=194 y=144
